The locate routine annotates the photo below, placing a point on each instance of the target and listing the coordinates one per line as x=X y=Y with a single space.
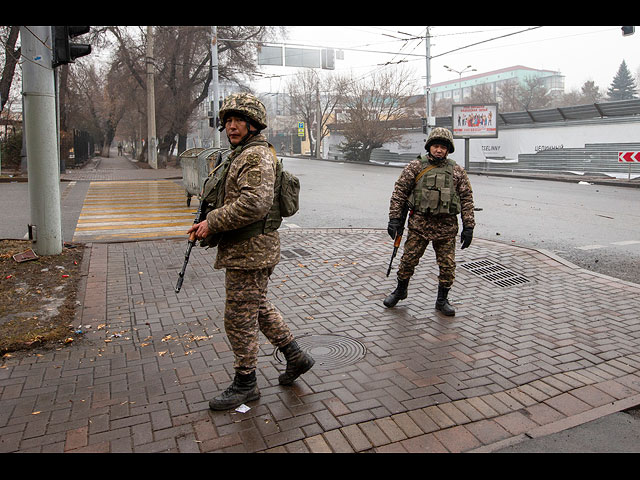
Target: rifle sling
x=423 y=172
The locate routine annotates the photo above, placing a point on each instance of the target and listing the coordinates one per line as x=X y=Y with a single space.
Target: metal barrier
x=196 y=164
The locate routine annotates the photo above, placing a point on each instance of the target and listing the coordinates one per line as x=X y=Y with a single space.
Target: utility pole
x=319 y=126
x=39 y=97
x=152 y=153
x=428 y=86
x=214 y=82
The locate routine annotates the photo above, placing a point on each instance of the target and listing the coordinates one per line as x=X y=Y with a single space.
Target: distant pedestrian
x=437 y=190
x=242 y=222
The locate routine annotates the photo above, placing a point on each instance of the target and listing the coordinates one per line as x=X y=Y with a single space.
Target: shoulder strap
x=275 y=157
x=419 y=176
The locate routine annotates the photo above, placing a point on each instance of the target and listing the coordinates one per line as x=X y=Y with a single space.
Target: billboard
x=475 y=121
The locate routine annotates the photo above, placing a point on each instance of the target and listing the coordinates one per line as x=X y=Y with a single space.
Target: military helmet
x=440 y=135
x=246 y=105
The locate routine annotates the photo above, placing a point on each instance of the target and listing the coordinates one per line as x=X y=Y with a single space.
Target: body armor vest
x=213 y=194
x=435 y=192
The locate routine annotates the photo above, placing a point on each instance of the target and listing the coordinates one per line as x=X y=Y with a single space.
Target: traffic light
x=63 y=50
x=628 y=31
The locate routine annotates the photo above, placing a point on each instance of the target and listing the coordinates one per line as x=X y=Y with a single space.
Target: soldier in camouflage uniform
x=437 y=189
x=247 y=249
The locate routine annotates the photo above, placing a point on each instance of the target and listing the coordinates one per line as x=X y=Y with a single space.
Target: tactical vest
x=213 y=194
x=435 y=192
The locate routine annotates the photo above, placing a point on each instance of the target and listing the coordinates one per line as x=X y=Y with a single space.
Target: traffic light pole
x=39 y=97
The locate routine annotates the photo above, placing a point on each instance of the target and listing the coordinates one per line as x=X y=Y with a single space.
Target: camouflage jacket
x=249 y=190
x=432 y=226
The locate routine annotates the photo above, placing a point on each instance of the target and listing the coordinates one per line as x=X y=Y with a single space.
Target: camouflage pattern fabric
x=414 y=248
x=248 y=196
x=245 y=104
x=430 y=226
x=440 y=135
x=249 y=190
x=440 y=229
x=248 y=312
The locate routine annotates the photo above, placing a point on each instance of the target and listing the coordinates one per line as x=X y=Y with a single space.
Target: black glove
x=466 y=237
x=395 y=227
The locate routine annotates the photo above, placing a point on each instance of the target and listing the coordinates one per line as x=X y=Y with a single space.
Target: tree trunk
x=182 y=143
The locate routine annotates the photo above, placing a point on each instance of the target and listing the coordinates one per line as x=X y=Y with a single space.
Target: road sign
x=624 y=157
x=301 y=129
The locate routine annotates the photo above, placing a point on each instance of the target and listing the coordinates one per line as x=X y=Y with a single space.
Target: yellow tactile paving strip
x=133 y=210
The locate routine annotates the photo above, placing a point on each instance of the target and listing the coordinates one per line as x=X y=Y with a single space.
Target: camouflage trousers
x=414 y=248
x=247 y=313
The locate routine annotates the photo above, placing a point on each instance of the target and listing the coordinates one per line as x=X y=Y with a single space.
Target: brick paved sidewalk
x=118 y=168
x=537 y=346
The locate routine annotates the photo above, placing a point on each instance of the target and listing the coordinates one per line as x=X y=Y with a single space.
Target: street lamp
x=460 y=72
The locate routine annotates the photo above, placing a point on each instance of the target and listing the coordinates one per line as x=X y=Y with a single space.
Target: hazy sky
x=580 y=53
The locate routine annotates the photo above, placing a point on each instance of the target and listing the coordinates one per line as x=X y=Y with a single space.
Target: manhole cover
x=495 y=273
x=329 y=351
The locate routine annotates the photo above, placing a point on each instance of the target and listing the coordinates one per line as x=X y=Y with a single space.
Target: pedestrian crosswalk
x=134 y=210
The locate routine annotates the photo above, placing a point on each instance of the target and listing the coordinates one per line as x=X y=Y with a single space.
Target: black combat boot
x=442 y=303
x=298 y=362
x=244 y=388
x=400 y=293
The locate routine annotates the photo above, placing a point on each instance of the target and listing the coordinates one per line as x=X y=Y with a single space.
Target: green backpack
x=287 y=189
x=286 y=202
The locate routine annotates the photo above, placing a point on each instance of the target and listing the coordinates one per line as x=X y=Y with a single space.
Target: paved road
x=594 y=226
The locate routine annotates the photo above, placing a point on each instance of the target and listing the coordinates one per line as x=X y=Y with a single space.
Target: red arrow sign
x=629 y=156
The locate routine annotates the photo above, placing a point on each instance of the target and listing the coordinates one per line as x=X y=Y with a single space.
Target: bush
x=353 y=151
x=11 y=149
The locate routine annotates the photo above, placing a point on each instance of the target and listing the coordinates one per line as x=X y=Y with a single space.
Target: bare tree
x=374 y=107
x=97 y=102
x=182 y=59
x=8 y=37
x=482 y=94
x=442 y=107
x=590 y=92
x=514 y=96
x=314 y=97
x=533 y=94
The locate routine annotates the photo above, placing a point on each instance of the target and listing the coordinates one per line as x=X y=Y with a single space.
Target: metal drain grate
x=495 y=273
x=294 y=253
x=329 y=351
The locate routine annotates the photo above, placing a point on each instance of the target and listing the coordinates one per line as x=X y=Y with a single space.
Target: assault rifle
x=200 y=216
x=398 y=237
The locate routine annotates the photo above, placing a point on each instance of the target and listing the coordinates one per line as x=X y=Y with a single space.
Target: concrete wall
x=513 y=141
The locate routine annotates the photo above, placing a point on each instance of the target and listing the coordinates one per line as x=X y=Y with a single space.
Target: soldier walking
x=436 y=190
x=240 y=195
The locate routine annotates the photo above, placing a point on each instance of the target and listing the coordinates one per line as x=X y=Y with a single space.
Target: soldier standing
x=437 y=190
x=241 y=198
